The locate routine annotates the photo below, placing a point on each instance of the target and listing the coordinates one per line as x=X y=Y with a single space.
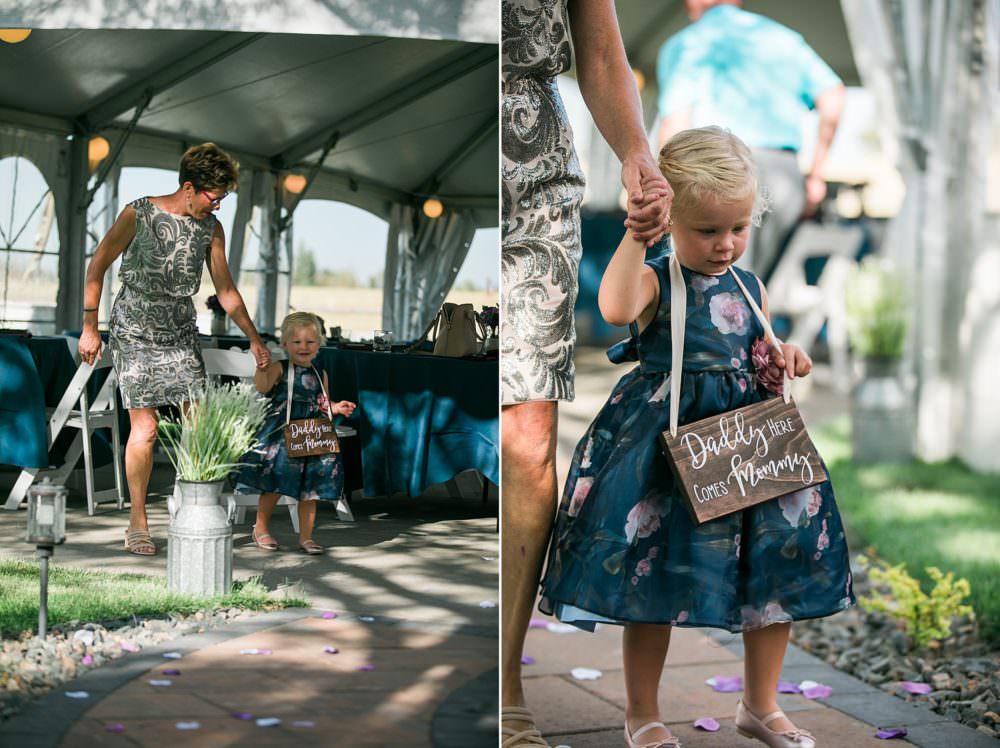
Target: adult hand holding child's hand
x=344 y=408
x=649 y=197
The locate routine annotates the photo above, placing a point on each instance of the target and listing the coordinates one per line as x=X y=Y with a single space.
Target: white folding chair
x=75 y=411
x=808 y=306
x=239 y=363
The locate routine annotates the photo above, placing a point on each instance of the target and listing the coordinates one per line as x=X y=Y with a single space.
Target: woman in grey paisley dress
x=163 y=242
x=542 y=191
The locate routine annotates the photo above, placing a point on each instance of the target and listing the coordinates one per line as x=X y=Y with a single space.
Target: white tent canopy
x=377 y=121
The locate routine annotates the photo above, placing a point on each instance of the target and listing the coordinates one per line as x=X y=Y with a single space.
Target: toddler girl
x=624 y=549
x=269 y=469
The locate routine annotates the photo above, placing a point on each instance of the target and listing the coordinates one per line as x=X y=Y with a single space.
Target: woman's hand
x=649 y=197
x=90 y=345
x=793 y=359
x=260 y=353
x=344 y=408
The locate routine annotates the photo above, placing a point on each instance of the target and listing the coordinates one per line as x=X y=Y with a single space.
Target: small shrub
x=927 y=617
x=877 y=310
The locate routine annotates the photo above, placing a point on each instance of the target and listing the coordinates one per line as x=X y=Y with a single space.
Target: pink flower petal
x=726 y=683
x=527 y=660
x=129 y=647
x=785 y=687
x=538 y=623
x=115 y=727
x=329 y=614
x=915 y=688
x=706 y=723
x=888 y=733
x=819 y=691
x=330 y=650
x=87 y=660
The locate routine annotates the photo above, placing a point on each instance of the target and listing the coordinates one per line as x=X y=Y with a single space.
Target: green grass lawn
x=91 y=596
x=922 y=514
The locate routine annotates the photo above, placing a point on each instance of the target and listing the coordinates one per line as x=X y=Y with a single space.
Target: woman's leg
x=644 y=649
x=765 y=653
x=529 y=507
x=265 y=508
x=139 y=463
x=307 y=519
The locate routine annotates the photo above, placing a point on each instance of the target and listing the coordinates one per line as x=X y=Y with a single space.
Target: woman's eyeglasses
x=212 y=199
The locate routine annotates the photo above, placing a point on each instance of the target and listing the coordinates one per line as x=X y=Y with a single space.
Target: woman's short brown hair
x=208 y=167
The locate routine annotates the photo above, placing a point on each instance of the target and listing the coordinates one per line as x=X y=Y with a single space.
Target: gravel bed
x=30 y=667
x=963 y=673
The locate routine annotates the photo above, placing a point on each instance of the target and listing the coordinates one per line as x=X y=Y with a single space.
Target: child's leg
x=644 y=648
x=307 y=519
x=265 y=508
x=765 y=652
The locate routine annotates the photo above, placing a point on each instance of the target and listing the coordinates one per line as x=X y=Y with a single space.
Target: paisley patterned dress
x=153 y=330
x=269 y=468
x=625 y=549
x=542 y=192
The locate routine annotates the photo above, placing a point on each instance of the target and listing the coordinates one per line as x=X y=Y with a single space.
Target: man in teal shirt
x=755 y=77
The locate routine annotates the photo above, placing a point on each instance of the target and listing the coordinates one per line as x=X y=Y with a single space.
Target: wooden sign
x=743 y=457
x=308 y=437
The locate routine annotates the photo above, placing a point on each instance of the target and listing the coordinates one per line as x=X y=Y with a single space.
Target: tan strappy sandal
x=139 y=542
x=528 y=737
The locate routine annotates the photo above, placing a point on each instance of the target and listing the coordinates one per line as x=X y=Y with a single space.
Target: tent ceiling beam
x=171 y=74
x=33 y=121
x=414 y=88
x=112 y=158
x=454 y=159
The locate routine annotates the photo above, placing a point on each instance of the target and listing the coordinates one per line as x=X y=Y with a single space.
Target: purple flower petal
x=915 y=688
x=538 y=623
x=706 y=723
x=115 y=727
x=171 y=672
x=365 y=668
x=785 y=687
x=527 y=660
x=888 y=733
x=726 y=683
x=242 y=715
x=329 y=615
x=819 y=691
x=87 y=660
x=331 y=650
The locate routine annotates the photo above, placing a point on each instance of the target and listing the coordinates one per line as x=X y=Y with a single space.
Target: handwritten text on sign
x=738 y=459
x=306 y=437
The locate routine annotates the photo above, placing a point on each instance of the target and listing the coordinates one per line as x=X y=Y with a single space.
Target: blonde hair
x=295 y=320
x=710 y=161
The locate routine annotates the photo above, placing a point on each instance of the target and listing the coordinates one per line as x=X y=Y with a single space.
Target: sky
x=358 y=237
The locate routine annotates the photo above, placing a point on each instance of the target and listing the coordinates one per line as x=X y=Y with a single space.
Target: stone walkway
x=590 y=713
x=413 y=583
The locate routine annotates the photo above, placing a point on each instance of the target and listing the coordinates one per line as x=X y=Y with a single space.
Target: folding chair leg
x=116 y=461
x=88 y=462
x=293 y=513
x=20 y=489
x=344 y=513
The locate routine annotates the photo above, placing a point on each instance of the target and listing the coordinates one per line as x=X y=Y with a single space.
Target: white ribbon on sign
x=678 y=317
x=291 y=377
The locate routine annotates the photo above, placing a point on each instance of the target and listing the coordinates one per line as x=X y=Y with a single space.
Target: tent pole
x=72 y=256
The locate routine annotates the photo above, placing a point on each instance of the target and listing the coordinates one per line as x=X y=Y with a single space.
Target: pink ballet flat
x=750 y=726
x=670 y=742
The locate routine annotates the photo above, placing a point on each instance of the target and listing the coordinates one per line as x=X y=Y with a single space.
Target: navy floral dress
x=625 y=549
x=269 y=468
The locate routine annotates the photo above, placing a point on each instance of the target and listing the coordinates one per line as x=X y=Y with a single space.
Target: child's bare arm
x=629 y=289
x=787 y=355
x=264 y=379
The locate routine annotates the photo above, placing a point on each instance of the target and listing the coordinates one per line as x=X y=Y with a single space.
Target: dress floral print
x=269 y=468
x=625 y=549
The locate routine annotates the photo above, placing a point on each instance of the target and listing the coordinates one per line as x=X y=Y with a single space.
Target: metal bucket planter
x=200 y=541
x=881 y=415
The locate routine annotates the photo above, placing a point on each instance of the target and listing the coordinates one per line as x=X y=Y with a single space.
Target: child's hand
x=344 y=408
x=649 y=197
x=793 y=359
